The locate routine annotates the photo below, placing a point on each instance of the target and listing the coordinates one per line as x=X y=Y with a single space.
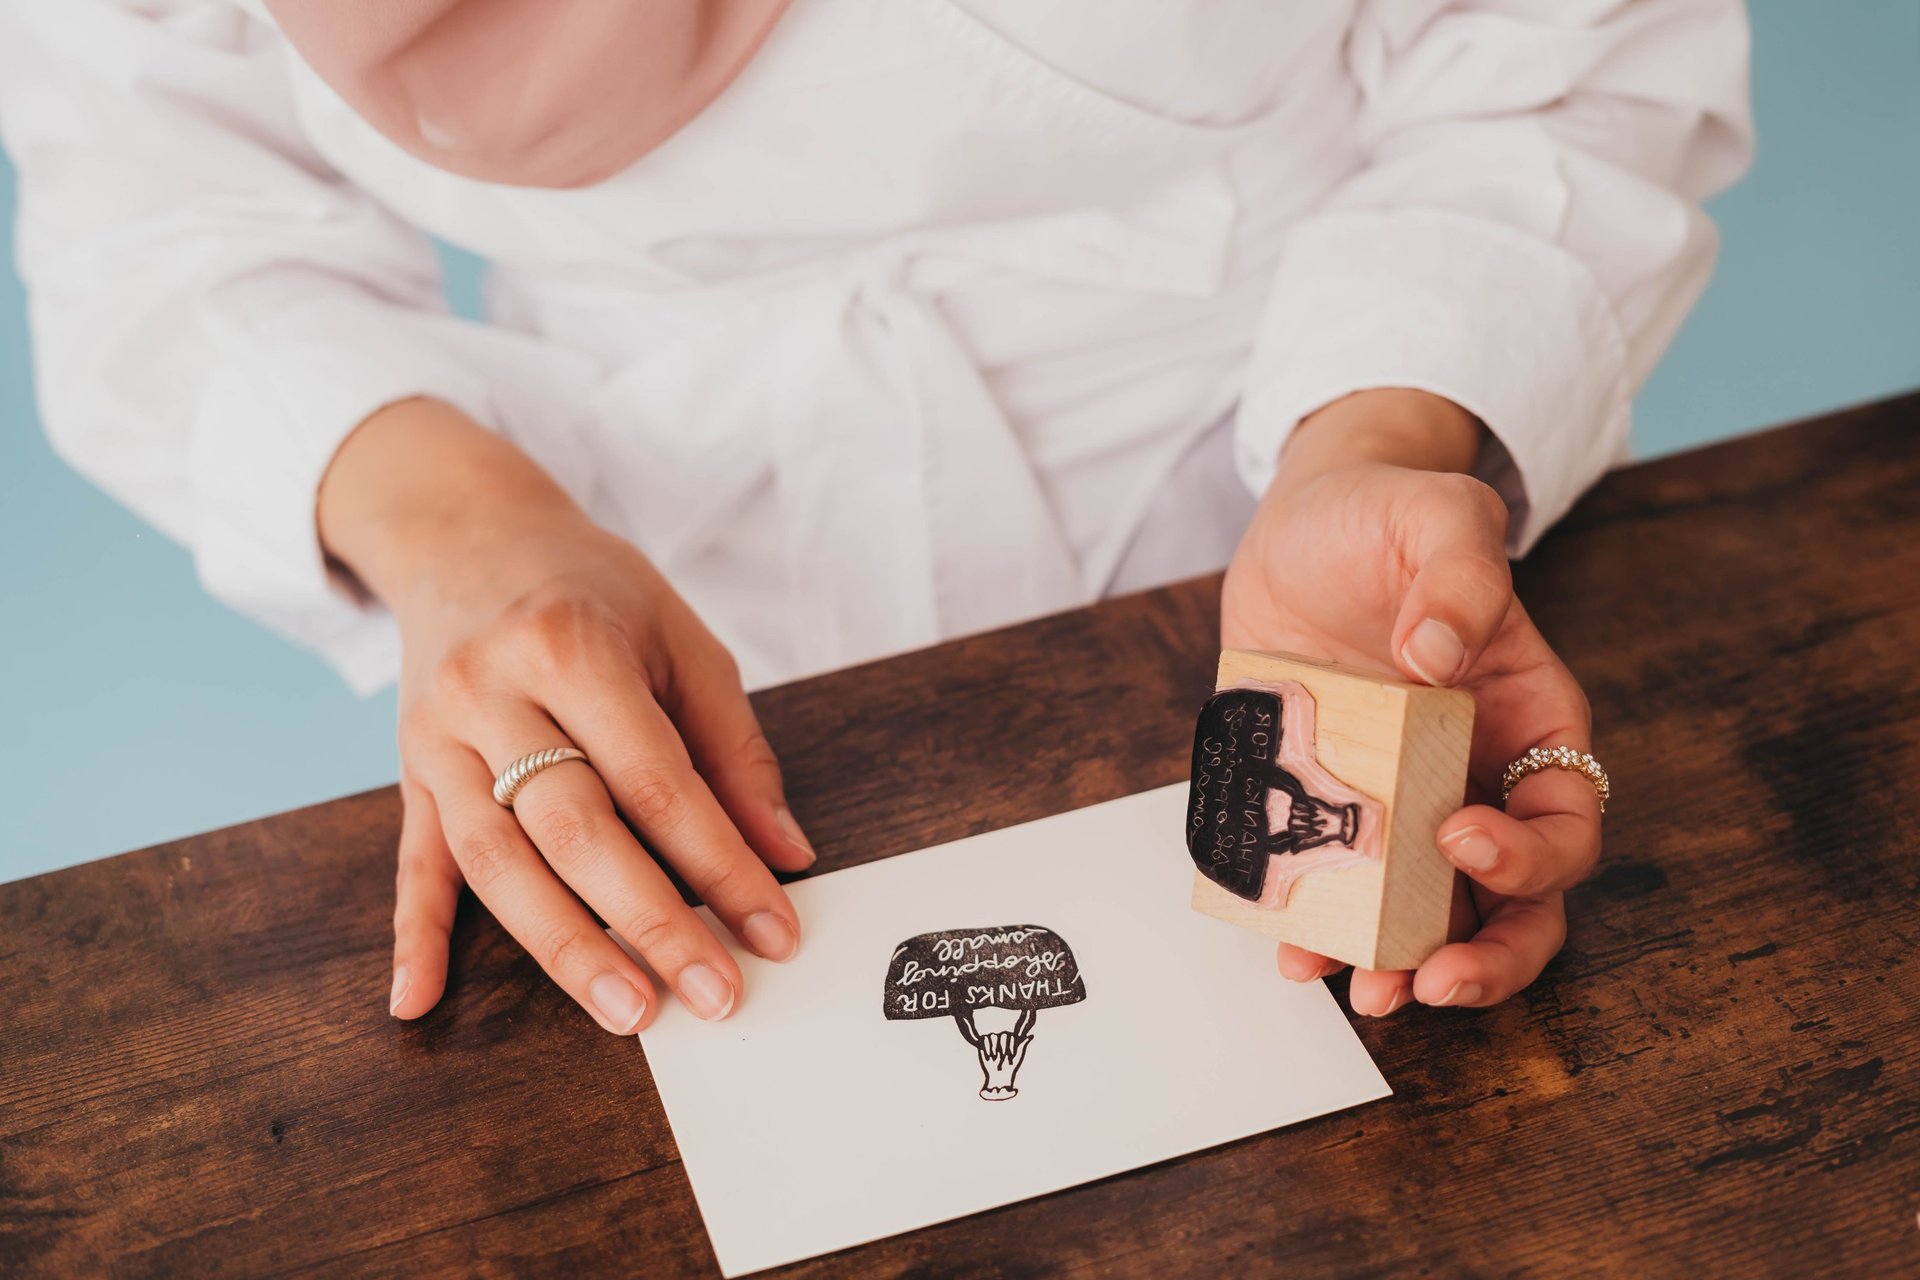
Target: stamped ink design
x=992 y=983
x=1263 y=811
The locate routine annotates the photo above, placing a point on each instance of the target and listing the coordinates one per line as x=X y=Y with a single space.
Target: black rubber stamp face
x=1245 y=807
x=1012 y=970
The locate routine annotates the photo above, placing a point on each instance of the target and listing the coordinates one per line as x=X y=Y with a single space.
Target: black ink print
x=1240 y=785
x=1017 y=969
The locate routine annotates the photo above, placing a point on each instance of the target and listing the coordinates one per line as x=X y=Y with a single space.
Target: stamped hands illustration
x=992 y=982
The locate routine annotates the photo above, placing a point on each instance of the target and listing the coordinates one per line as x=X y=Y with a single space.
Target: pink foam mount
x=1323 y=809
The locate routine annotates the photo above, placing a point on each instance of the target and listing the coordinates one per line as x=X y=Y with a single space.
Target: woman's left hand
x=1357 y=558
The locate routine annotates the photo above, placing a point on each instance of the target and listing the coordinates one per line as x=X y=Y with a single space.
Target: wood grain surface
x=198 y=1075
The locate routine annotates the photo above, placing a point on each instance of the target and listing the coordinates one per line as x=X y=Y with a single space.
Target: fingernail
x=769 y=935
x=1298 y=968
x=1462 y=993
x=1399 y=998
x=401 y=981
x=791 y=830
x=709 y=995
x=619 y=1003
x=1434 y=651
x=1471 y=849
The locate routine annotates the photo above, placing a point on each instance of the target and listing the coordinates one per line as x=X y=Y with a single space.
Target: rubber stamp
x=1316 y=795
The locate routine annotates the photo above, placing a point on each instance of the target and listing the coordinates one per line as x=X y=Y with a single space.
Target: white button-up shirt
x=946 y=313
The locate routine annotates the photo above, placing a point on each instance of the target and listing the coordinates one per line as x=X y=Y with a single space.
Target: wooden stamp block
x=1317 y=790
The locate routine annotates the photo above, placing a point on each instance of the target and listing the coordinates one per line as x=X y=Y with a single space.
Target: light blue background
x=134 y=709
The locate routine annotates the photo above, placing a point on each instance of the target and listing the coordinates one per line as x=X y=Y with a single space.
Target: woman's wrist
x=1394 y=426
x=419 y=489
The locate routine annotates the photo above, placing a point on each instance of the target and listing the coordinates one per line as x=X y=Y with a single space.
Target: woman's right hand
x=525 y=626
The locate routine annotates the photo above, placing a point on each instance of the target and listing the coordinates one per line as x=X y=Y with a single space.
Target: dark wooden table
x=198 y=1075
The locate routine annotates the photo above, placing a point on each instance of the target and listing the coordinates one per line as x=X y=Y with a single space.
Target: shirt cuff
x=1511 y=328
x=284 y=398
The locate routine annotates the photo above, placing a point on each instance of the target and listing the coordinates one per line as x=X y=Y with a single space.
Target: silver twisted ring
x=517 y=774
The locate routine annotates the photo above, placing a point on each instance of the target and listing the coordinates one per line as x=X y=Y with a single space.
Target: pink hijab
x=532 y=93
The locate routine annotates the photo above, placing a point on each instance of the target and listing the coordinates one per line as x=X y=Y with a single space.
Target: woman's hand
x=1371 y=550
x=526 y=626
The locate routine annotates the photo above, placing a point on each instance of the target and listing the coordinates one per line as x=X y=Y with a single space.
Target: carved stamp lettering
x=1262 y=811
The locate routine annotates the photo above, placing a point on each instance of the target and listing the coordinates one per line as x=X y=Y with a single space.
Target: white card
x=810 y=1121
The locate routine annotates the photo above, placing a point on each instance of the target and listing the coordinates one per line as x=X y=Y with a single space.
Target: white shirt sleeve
x=1524 y=237
x=213 y=309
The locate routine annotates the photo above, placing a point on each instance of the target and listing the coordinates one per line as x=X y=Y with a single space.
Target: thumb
x=1454 y=539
